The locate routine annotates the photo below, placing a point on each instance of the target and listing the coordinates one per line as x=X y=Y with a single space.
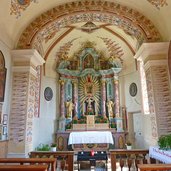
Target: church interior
x=87 y=77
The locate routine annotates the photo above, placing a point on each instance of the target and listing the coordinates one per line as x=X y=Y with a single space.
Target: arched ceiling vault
x=130 y=21
x=116 y=24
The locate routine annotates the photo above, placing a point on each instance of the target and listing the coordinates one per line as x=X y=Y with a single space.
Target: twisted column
x=62 y=102
x=75 y=100
x=116 y=95
x=103 y=98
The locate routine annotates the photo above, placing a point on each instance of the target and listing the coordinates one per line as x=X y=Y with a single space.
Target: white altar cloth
x=90 y=137
x=161 y=155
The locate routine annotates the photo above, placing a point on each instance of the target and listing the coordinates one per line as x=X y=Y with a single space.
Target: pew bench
x=152 y=167
x=130 y=157
x=67 y=157
x=50 y=162
x=23 y=167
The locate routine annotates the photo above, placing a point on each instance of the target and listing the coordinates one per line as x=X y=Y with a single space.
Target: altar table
x=161 y=155
x=90 y=137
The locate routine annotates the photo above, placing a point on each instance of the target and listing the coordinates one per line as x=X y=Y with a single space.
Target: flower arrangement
x=43 y=147
x=53 y=145
x=128 y=143
x=101 y=119
x=68 y=126
x=113 y=125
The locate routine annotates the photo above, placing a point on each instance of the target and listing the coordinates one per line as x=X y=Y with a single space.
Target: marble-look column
x=75 y=98
x=103 y=97
x=116 y=95
x=62 y=98
x=23 y=100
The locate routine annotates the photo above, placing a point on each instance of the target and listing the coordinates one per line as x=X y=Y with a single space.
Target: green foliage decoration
x=43 y=147
x=164 y=142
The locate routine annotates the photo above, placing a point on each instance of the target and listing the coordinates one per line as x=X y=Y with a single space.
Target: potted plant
x=128 y=145
x=43 y=147
x=164 y=142
x=53 y=146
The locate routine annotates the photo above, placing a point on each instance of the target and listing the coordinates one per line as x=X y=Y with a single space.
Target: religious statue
x=69 y=106
x=89 y=105
x=110 y=105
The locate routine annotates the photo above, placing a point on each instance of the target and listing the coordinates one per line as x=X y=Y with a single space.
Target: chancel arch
x=45 y=27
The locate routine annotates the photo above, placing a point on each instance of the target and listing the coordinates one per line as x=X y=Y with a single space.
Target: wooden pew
x=152 y=167
x=51 y=162
x=23 y=167
x=127 y=156
x=66 y=156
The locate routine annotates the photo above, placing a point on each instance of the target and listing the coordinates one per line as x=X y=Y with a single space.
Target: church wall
x=6 y=104
x=46 y=125
x=133 y=105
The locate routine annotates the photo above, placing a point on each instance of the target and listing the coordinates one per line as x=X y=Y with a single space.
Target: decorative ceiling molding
x=129 y=20
x=158 y=3
x=114 y=48
x=20 y=5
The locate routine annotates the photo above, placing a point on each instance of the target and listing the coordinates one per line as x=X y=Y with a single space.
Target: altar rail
x=23 y=167
x=50 y=162
x=66 y=157
x=144 y=167
x=128 y=158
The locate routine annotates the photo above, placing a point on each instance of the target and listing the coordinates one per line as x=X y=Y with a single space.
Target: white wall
x=132 y=103
x=46 y=125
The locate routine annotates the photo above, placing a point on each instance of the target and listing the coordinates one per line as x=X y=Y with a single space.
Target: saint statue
x=89 y=105
x=110 y=105
x=69 y=106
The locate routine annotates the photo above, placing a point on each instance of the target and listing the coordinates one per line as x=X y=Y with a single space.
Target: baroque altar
x=89 y=92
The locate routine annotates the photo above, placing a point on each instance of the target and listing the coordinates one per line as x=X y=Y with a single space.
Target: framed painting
x=2 y=77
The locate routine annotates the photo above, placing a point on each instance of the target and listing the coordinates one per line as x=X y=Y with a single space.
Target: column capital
x=62 y=82
x=103 y=81
x=151 y=49
x=155 y=63
x=116 y=81
x=26 y=60
x=27 y=55
x=74 y=82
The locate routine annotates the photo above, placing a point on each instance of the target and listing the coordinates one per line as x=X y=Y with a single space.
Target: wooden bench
x=152 y=167
x=67 y=157
x=23 y=167
x=51 y=162
x=130 y=157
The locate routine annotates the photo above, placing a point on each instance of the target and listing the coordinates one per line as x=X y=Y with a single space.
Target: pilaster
x=23 y=100
x=154 y=58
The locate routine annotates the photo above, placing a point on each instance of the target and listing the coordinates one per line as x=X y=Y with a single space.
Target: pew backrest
x=144 y=167
x=23 y=167
x=67 y=156
x=51 y=162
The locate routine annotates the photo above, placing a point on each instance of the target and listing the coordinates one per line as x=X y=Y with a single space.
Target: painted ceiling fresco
x=17 y=6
